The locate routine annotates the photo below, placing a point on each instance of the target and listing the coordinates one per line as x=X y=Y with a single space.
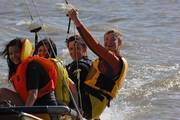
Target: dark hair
x=76 y=38
x=49 y=44
x=12 y=67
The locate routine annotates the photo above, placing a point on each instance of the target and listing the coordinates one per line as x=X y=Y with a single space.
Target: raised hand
x=73 y=15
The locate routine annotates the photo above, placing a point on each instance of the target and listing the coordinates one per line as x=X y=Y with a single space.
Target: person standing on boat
x=107 y=71
x=33 y=78
x=79 y=68
x=47 y=48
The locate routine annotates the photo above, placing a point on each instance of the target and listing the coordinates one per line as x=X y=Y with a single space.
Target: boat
x=37 y=113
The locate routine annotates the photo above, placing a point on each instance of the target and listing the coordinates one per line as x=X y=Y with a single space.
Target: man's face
x=75 y=50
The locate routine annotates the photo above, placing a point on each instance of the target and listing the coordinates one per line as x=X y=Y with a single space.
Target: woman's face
x=42 y=51
x=14 y=54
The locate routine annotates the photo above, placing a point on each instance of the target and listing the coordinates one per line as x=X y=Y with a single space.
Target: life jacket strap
x=97 y=93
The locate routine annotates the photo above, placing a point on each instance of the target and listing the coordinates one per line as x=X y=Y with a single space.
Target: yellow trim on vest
x=94 y=74
x=61 y=90
x=27 y=49
x=98 y=106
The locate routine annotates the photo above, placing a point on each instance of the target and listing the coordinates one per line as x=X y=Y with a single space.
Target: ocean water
x=151 y=45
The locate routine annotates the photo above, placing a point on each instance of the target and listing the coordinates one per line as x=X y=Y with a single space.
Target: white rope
x=77 y=68
x=78 y=72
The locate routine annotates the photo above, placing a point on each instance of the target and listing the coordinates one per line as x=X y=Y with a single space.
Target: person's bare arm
x=73 y=89
x=93 y=44
x=32 y=96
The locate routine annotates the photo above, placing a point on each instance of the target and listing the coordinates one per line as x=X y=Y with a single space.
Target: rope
x=78 y=72
x=40 y=20
x=28 y=10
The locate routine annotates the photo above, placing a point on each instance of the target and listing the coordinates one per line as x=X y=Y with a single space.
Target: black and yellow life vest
x=101 y=89
x=101 y=83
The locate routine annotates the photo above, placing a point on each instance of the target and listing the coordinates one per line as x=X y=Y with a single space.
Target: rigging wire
x=36 y=30
x=37 y=11
x=28 y=10
x=78 y=72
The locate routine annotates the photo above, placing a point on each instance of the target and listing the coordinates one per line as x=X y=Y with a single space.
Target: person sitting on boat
x=47 y=48
x=33 y=78
x=107 y=71
x=79 y=68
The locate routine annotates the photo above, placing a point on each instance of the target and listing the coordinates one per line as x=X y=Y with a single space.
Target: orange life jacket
x=19 y=78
